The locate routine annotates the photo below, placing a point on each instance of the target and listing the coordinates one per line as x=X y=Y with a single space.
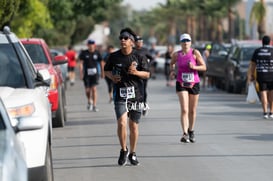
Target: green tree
x=60 y=22
x=7 y=11
x=31 y=15
x=64 y=23
x=258 y=14
x=87 y=13
x=201 y=18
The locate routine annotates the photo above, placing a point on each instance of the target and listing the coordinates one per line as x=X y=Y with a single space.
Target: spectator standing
x=127 y=69
x=72 y=57
x=89 y=73
x=188 y=61
x=144 y=52
x=262 y=63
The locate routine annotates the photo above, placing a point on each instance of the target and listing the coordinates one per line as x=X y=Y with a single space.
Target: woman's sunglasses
x=185 y=40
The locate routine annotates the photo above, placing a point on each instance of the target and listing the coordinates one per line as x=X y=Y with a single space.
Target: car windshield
x=247 y=53
x=36 y=53
x=11 y=73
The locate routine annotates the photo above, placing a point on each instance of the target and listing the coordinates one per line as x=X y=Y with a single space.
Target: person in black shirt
x=127 y=69
x=89 y=73
x=144 y=52
x=168 y=57
x=109 y=82
x=262 y=63
x=153 y=61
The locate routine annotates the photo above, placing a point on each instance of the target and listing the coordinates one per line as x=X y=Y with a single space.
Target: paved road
x=233 y=142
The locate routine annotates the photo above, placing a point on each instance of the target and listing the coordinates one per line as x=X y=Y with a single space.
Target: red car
x=40 y=54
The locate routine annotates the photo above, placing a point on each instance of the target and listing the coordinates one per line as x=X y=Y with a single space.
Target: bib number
x=91 y=71
x=188 y=77
x=127 y=92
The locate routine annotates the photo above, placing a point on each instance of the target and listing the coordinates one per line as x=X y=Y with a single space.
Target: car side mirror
x=43 y=76
x=59 y=59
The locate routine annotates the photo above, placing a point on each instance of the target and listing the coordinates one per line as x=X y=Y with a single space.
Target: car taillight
x=22 y=111
x=53 y=83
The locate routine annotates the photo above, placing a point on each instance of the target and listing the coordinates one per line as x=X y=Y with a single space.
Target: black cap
x=266 y=40
x=90 y=41
x=138 y=38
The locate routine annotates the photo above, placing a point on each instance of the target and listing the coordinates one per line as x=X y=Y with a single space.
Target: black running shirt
x=130 y=87
x=263 y=57
x=90 y=62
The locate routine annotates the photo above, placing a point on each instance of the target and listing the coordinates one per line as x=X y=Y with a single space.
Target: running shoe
x=95 y=109
x=123 y=157
x=89 y=106
x=266 y=116
x=133 y=159
x=185 y=138
x=191 y=136
x=270 y=115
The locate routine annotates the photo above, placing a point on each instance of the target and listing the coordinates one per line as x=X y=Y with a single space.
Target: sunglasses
x=123 y=38
x=185 y=40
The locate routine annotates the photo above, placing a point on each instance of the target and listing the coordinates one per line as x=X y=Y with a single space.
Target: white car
x=12 y=151
x=23 y=90
x=161 y=59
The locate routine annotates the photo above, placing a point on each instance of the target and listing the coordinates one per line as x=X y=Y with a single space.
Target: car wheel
x=58 y=120
x=48 y=164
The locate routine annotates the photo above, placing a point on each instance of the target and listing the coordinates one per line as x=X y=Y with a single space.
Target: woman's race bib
x=91 y=71
x=127 y=92
x=188 y=77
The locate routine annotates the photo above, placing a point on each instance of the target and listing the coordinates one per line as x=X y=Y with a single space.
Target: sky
x=143 y=4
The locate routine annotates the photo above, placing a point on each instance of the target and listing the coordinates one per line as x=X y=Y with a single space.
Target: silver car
x=23 y=90
x=12 y=152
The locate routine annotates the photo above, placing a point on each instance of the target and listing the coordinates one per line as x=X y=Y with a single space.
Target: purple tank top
x=184 y=73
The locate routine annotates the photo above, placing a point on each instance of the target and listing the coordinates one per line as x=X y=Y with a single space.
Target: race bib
x=91 y=71
x=188 y=77
x=127 y=92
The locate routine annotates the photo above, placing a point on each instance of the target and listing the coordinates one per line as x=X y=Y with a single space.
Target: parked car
x=23 y=90
x=237 y=65
x=64 y=68
x=40 y=54
x=216 y=63
x=12 y=150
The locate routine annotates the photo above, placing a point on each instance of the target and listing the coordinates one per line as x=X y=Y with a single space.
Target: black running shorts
x=194 y=90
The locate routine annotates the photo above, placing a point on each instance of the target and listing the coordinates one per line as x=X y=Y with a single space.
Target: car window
x=10 y=68
x=235 y=53
x=25 y=56
x=217 y=48
x=247 y=53
x=36 y=53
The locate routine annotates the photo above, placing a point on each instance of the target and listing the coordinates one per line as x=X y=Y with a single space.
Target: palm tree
x=258 y=14
x=231 y=17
